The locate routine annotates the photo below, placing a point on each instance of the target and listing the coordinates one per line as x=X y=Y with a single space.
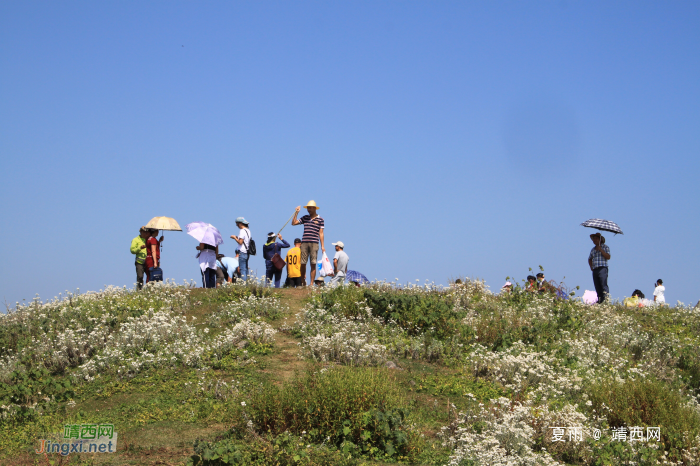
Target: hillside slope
x=368 y=375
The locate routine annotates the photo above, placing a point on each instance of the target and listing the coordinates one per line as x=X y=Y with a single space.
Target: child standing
x=294 y=265
x=659 y=292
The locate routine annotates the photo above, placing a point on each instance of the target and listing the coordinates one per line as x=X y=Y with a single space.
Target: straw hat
x=311 y=203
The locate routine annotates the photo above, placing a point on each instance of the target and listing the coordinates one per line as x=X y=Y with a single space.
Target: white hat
x=339 y=244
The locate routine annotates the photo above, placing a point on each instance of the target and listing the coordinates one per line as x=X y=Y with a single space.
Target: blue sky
x=440 y=139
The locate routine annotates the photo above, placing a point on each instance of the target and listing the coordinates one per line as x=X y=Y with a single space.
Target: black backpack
x=251 y=245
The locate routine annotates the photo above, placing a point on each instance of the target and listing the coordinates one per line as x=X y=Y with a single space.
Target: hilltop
x=379 y=374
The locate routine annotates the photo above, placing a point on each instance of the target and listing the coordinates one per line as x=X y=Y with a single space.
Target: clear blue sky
x=439 y=138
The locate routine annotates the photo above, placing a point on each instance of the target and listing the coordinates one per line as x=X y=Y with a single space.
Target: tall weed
x=359 y=410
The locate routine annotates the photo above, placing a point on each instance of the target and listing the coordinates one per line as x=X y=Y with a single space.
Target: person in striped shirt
x=313 y=234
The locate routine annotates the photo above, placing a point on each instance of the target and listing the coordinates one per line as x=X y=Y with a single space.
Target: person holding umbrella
x=207 y=264
x=209 y=240
x=598 y=262
x=152 y=252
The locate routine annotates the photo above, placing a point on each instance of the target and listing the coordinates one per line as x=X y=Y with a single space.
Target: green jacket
x=136 y=244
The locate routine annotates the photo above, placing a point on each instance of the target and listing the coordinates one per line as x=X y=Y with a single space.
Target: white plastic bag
x=326 y=266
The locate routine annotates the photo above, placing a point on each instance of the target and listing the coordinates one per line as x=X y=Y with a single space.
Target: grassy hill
x=350 y=376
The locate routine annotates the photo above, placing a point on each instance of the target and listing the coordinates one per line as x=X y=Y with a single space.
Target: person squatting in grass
x=543 y=285
x=294 y=265
x=226 y=269
x=531 y=284
x=340 y=264
x=207 y=264
x=138 y=248
x=313 y=233
x=243 y=240
x=598 y=262
x=271 y=248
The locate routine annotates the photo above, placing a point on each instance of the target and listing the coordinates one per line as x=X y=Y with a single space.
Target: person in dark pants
x=598 y=262
x=271 y=248
x=294 y=265
x=207 y=264
x=138 y=248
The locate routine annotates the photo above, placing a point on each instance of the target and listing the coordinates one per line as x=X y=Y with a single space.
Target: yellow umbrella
x=163 y=223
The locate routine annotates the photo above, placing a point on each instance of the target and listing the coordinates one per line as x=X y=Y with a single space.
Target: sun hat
x=602 y=238
x=340 y=244
x=242 y=220
x=311 y=203
x=507 y=284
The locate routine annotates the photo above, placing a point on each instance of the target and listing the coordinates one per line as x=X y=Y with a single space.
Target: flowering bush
x=120 y=332
x=250 y=307
x=330 y=337
x=504 y=436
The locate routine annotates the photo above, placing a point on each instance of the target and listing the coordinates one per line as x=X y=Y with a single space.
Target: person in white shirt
x=659 y=292
x=243 y=240
x=340 y=264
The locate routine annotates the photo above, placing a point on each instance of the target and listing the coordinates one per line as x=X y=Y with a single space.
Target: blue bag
x=155 y=274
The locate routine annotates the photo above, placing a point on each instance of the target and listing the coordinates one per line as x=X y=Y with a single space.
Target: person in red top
x=152 y=252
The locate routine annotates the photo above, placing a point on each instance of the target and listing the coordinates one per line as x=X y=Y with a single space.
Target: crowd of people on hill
x=217 y=269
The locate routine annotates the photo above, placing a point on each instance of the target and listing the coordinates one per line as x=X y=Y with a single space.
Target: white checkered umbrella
x=603 y=225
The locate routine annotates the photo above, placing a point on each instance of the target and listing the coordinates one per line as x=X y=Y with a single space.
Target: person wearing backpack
x=247 y=246
x=271 y=249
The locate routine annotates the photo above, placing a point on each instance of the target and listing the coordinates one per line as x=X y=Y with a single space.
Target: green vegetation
x=358 y=410
x=351 y=376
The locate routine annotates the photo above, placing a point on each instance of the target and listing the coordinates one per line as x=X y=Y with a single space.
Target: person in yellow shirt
x=294 y=265
x=138 y=248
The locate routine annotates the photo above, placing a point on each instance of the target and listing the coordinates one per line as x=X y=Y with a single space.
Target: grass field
x=350 y=376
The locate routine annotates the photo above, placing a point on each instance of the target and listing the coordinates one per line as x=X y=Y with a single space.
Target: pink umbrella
x=590 y=297
x=205 y=233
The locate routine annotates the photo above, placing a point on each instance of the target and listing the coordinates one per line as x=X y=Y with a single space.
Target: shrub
x=29 y=393
x=416 y=309
x=356 y=409
x=647 y=403
x=283 y=450
x=417 y=313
